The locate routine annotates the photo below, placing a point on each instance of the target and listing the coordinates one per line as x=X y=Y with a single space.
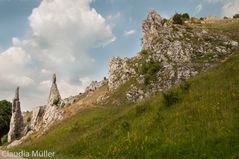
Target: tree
x=236 y=16
x=185 y=16
x=177 y=19
x=5 y=116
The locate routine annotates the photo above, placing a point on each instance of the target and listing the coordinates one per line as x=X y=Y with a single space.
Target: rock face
x=170 y=54
x=119 y=72
x=151 y=27
x=42 y=117
x=52 y=111
x=94 y=85
x=16 y=124
x=54 y=97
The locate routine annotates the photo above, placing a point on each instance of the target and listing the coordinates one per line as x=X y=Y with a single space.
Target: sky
x=76 y=40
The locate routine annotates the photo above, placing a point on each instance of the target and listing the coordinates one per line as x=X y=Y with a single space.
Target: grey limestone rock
x=16 y=123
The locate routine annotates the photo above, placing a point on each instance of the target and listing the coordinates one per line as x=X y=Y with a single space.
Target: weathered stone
x=54 y=97
x=94 y=85
x=52 y=111
x=37 y=115
x=181 y=52
x=16 y=124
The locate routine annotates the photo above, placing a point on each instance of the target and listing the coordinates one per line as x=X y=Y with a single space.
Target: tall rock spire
x=151 y=26
x=54 y=97
x=16 y=124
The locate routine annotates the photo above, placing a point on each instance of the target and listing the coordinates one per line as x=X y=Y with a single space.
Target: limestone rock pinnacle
x=16 y=124
x=54 y=97
x=151 y=26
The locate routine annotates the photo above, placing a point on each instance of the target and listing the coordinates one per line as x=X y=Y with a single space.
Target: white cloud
x=62 y=32
x=198 y=9
x=230 y=8
x=113 y=17
x=213 y=1
x=129 y=32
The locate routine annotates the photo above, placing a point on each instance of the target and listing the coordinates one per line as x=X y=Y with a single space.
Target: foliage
x=125 y=126
x=5 y=116
x=171 y=98
x=150 y=70
x=4 y=139
x=164 y=21
x=185 y=16
x=236 y=16
x=177 y=19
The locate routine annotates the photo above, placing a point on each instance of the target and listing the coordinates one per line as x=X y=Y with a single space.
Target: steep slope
x=171 y=53
x=196 y=119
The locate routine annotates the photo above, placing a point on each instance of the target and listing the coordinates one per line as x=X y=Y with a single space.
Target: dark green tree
x=177 y=19
x=5 y=116
x=185 y=16
x=236 y=16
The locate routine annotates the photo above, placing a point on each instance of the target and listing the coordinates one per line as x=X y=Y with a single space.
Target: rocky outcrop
x=54 y=97
x=119 y=72
x=52 y=110
x=16 y=124
x=151 y=27
x=171 y=53
x=94 y=85
x=37 y=115
x=42 y=117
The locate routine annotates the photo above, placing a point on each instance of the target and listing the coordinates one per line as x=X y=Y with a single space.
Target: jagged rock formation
x=54 y=97
x=16 y=124
x=52 y=111
x=94 y=85
x=42 y=117
x=170 y=54
x=119 y=72
x=151 y=27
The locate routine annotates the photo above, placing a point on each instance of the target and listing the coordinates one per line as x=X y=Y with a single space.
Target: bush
x=185 y=86
x=170 y=98
x=236 y=16
x=144 y=52
x=5 y=116
x=177 y=19
x=125 y=126
x=142 y=108
x=164 y=21
x=150 y=70
x=185 y=16
x=4 y=139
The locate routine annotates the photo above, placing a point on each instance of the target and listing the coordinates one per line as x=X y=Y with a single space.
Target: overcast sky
x=76 y=39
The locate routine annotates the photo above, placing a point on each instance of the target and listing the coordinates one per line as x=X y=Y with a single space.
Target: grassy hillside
x=197 y=119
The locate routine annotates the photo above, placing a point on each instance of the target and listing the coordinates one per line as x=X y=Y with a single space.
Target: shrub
x=151 y=67
x=177 y=19
x=150 y=70
x=236 y=16
x=144 y=52
x=5 y=116
x=4 y=139
x=185 y=86
x=170 y=98
x=125 y=126
x=164 y=21
x=142 y=108
x=185 y=16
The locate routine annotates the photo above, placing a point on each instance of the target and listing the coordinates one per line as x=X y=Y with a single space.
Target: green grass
x=202 y=124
